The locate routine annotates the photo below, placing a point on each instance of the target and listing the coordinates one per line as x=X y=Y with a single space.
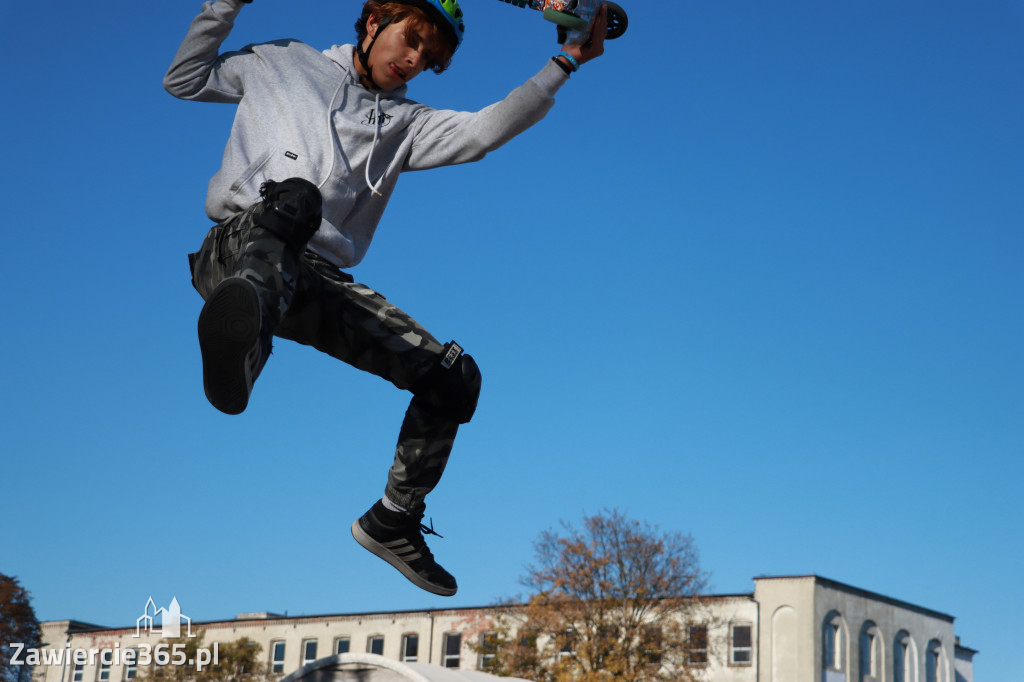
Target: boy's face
x=401 y=53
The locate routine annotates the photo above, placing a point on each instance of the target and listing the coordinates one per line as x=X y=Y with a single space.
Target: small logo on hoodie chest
x=372 y=118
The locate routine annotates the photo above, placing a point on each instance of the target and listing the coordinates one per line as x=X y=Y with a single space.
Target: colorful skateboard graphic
x=575 y=17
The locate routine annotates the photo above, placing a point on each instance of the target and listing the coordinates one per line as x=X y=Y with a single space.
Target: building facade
x=789 y=629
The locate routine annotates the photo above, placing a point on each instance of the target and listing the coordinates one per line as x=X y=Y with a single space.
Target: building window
x=308 y=651
x=741 y=648
x=651 y=644
x=277 y=657
x=832 y=646
x=131 y=661
x=528 y=639
x=488 y=650
x=832 y=643
x=78 y=672
x=410 y=647
x=568 y=647
x=697 y=645
x=933 y=662
x=341 y=645
x=452 y=649
x=869 y=652
x=104 y=672
x=902 y=659
x=375 y=644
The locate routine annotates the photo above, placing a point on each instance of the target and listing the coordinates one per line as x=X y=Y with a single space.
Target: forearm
x=452 y=137
x=193 y=65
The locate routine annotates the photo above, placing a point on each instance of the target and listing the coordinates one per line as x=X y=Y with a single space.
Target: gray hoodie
x=303 y=113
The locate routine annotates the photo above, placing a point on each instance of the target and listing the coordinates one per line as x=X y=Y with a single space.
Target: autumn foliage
x=17 y=624
x=615 y=599
x=237 y=661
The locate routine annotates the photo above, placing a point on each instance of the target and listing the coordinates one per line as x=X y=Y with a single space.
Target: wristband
x=562 y=65
x=572 y=60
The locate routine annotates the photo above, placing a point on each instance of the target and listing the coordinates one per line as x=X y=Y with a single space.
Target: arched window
x=935 y=662
x=870 y=653
x=904 y=658
x=833 y=641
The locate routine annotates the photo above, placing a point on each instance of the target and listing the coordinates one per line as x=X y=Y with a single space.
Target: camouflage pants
x=308 y=300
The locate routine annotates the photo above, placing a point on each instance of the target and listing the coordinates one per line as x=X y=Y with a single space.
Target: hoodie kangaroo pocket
x=272 y=165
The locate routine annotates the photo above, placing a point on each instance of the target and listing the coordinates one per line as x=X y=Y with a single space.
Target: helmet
x=447 y=15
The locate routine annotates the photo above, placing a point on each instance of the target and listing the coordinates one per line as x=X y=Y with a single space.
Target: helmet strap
x=364 y=56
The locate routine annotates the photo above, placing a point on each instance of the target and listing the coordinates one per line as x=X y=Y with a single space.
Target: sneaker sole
x=387 y=555
x=229 y=328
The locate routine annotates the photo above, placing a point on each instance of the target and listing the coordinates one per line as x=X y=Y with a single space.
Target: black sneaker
x=397 y=538
x=229 y=338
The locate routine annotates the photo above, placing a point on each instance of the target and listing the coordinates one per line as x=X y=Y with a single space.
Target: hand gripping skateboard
x=575 y=17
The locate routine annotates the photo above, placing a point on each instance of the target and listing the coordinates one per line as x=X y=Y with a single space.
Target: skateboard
x=575 y=17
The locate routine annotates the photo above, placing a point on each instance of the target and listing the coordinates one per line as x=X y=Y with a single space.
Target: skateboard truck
x=575 y=17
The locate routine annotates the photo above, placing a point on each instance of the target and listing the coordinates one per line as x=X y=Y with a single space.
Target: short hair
x=440 y=51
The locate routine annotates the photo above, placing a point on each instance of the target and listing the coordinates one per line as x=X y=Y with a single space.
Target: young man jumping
x=318 y=142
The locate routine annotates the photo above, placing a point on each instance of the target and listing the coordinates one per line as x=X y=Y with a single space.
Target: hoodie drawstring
x=375 y=186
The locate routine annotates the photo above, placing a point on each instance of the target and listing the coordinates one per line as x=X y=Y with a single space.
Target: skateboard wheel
x=617 y=21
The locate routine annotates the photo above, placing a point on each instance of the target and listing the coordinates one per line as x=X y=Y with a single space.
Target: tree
x=18 y=624
x=237 y=661
x=616 y=599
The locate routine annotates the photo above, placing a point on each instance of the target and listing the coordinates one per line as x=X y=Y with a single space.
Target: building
x=790 y=629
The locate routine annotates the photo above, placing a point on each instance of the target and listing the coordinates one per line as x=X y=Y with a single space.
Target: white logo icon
x=170 y=620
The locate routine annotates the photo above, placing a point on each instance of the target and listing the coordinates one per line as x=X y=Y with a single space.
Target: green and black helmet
x=447 y=15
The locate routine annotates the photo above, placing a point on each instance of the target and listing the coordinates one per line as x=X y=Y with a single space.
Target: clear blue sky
x=757 y=277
